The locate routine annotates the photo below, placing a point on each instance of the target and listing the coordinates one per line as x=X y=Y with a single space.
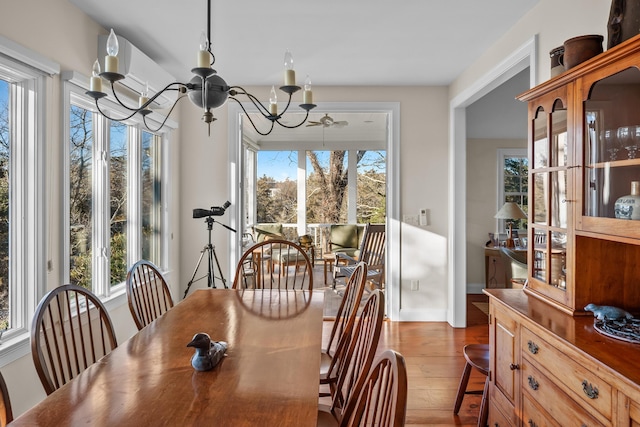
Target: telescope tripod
x=210 y=250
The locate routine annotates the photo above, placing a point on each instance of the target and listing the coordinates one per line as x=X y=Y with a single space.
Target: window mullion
x=302 y=193
x=17 y=195
x=352 y=179
x=101 y=208
x=134 y=184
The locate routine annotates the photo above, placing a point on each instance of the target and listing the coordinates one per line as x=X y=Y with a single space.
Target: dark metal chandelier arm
x=144 y=117
x=251 y=121
x=233 y=90
x=111 y=118
x=181 y=88
x=293 y=126
x=115 y=95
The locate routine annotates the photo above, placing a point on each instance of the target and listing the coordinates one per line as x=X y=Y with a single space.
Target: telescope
x=209 y=249
x=214 y=211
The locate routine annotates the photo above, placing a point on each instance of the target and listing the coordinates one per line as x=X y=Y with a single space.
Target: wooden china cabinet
x=549 y=366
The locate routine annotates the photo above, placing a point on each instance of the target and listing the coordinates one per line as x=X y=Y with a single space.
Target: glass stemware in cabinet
x=610 y=141
x=624 y=135
x=632 y=149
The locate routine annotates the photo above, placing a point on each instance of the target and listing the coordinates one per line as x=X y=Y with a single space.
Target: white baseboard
x=423 y=315
x=475 y=288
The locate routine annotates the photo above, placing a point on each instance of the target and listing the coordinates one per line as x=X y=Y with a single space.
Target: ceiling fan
x=327 y=121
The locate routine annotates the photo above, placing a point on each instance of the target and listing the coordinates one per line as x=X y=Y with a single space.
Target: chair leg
x=484 y=405
x=462 y=387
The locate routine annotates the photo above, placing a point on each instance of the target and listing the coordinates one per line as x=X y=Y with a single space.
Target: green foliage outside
x=516 y=186
x=327 y=185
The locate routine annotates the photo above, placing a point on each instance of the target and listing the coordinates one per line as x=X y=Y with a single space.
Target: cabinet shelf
x=615 y=164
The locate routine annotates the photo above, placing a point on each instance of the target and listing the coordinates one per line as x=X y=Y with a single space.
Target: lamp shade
x=510 y=210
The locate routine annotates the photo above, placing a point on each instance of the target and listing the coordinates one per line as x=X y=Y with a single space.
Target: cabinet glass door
x=550 y=208
x=612 y=139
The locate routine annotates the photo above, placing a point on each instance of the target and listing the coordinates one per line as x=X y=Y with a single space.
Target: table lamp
x=510 y=210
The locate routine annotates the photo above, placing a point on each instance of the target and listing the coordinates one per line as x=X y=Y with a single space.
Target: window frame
x=504 y=153
x=28 y=73
x=75 y=86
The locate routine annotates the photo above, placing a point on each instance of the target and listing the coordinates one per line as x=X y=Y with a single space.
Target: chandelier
x=206 y=89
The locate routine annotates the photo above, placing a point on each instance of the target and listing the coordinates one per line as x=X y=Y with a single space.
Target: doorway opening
x=365 y=149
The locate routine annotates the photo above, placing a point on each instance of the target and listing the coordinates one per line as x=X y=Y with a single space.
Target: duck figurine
x=607 y=312
x=208 y=353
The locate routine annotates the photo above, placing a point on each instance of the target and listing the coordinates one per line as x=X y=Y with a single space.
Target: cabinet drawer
x=577 y=380
x=496 y=418
x=559 y=406
x=532 y=416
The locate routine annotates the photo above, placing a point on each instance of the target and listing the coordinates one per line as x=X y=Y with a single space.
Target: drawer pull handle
x=589 y=390
x=514 y=366
x=533 y=347
x=532 y=383
x=532 y=424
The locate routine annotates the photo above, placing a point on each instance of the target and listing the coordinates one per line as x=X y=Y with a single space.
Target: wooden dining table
x=269 y=376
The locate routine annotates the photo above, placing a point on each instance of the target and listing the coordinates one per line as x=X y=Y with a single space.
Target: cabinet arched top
x=607 y=87
x=554 y=101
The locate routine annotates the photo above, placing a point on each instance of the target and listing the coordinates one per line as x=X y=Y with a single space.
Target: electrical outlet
x=410 y=219
x=414 y=285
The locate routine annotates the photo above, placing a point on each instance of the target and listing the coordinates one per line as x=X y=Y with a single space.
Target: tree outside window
x=4 y=204
x=516 y=185
x=80 y=195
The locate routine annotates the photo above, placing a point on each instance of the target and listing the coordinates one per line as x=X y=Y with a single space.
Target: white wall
x=554 y=22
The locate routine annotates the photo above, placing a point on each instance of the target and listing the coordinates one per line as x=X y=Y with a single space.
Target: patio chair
x=372 y=252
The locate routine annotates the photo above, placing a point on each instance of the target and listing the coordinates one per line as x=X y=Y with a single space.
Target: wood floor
x=433 y=354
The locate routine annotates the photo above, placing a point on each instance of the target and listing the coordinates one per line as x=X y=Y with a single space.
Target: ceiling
x=336 y=42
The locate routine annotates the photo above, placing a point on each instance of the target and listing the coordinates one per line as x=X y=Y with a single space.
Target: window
x=327 y=186
x=115 y=195
x=513 y=179
x=22 y=255
x=80 y=196
x=5 y=307
x=118 y=200
x=276 y=187
x=372 y=187
x=151 y=197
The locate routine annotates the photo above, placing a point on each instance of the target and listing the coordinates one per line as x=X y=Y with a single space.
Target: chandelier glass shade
x=207 y=90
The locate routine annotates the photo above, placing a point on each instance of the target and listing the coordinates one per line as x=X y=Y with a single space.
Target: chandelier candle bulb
x=273 y=102
x=307 y=95
x=95 y=85
x=111 y=64
x=289 y=72
x=111 y=60
x=144 y=96
x=203 y=53
x=203 y=59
